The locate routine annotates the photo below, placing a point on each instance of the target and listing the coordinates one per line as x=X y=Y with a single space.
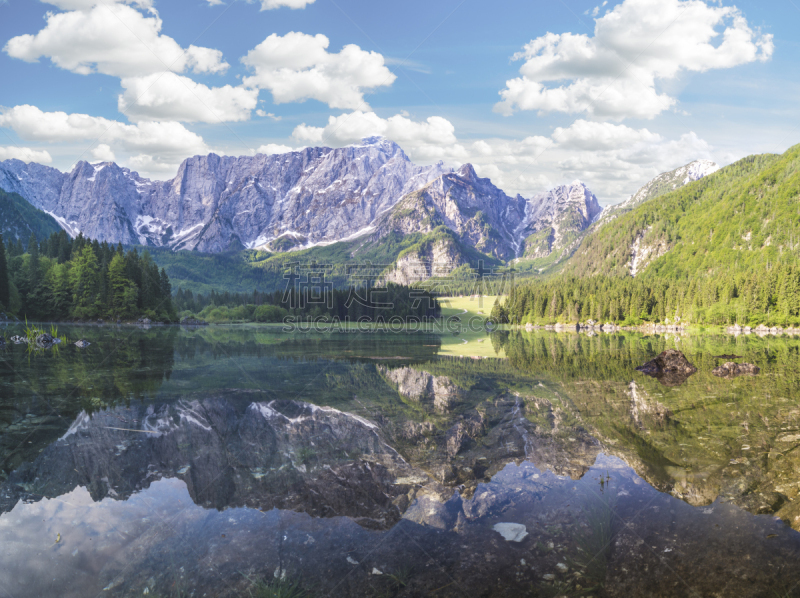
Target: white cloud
x=103 y=153
x=87 y=4
x=426 y=139
x=294 y=4
x=593 y=136
x=168 y=96
x=25 y=154
x=270 y=115
x=215 y=2
x=113 y=39
x=635 y=45
x=273 y=148
x=297 y=67
x=166 y=143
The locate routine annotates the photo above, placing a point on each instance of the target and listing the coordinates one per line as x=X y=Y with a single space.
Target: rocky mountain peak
x=663 y=183
x=467 y=171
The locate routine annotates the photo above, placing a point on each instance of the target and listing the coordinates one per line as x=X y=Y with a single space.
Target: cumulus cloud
x=103 y=153
x=274 y=148
x=166 y=143
x=25 y=154
x=426 y=139
x=637 y=44
x=168 y=96
x=113 y=39
x=593 y=136
x=349 y=128
x=296 y=67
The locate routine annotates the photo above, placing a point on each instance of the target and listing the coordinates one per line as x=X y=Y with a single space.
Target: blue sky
x=533 y=93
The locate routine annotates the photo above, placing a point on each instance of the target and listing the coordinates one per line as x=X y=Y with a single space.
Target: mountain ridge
x=297 y=200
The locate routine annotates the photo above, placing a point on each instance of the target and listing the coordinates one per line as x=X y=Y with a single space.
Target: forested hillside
x=721 y=250
x=19 y=219
x=62 y=278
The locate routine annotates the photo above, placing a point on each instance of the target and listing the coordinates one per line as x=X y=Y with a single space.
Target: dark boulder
x=732 y=370
x=671 y=368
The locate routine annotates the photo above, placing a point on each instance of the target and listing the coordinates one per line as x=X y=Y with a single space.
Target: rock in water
x=82 y=344
x=45 y=341
x=671 y=368
x=730 y=369
x=18 y=340
x=513 y=532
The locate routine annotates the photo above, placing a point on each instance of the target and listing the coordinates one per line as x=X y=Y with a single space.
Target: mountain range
x=367 y=200
x=314 y=196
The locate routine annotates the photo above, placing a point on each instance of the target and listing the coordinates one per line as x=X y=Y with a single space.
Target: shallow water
x=176 y=462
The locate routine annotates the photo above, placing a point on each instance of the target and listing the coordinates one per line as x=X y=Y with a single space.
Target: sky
x=533 y=93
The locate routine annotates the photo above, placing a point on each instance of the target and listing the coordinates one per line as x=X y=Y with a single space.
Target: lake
x=248 y=461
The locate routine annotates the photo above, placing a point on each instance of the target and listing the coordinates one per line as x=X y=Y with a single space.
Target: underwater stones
x=671 y=368
x=512 y=532
x=82 y=344
x=730 y=369
x=18 y=340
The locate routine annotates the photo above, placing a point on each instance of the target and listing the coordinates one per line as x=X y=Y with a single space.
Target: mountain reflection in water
x=252 y=455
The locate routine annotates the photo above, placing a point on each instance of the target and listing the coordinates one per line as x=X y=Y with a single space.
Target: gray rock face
x=554 y=221
x=480 y=213
x=316 y=195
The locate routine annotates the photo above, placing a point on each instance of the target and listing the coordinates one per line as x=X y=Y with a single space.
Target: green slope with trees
x=724 y=248
x=19 y=219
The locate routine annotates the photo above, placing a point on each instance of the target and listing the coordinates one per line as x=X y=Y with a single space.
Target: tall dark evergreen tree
x=4 y=286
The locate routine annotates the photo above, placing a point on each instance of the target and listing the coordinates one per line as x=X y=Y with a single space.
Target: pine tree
x=33 y=263
x=84 y=279
x=4 y=285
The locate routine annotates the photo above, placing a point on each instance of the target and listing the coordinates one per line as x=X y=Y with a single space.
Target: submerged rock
x=82 y=344
x=18 y=340
x=671 y=368
x=513 y=532
x=732 y=370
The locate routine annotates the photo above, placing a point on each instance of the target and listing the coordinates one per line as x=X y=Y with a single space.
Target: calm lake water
x=177 y=462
